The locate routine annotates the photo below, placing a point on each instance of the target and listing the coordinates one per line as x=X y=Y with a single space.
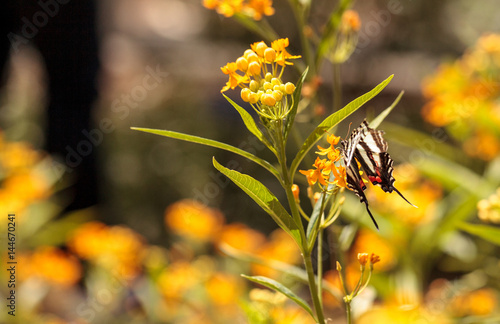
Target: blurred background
x=156 y=64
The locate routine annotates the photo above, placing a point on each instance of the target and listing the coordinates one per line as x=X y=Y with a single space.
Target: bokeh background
x=149 y=250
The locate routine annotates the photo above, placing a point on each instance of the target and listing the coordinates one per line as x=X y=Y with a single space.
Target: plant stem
x=348 y=311
x=337 y=88
x=287 y=184
x=319 y=267
x=313 y=288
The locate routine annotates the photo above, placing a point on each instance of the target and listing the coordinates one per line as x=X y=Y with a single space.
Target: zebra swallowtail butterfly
x=367 y=146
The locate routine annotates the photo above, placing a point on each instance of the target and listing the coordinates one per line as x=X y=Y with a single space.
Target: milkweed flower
x=254 y=9
x=258 y=72
x=489 y=209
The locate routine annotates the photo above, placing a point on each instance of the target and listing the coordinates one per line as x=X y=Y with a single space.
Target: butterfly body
x=367 y=147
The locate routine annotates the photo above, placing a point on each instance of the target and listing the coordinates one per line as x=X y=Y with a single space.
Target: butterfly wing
x=371 y=152
x=354 y=181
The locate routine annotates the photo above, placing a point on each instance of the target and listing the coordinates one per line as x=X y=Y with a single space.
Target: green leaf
x=273 y=284
x=264 y=198
x=209 y=142
x=332 y=120
x=486 y=232
x=296 y=99
x=250 y=123
x=380 y=118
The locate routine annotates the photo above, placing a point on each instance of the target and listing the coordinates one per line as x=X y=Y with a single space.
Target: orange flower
x=332 y=153
x=194 y=220
x=370 y=241
x=241 y=237
x=55 y=266
x=224 y=290
x=317 y=174
x=480 y=302
x=250 y=8
x=116 y=248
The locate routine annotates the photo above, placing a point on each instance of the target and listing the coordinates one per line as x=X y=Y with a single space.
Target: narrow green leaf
x=273 y=284
x=486 y=232
x=264 y=198
x=332 y=120
x=380 y=118
x=200 y=140
x=250 y=123
x=296 y=99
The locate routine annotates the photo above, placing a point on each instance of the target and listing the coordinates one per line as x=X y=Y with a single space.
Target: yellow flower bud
x=260 y=48
x=254 y=86
x=275 y=81
x=242 y=64
x=268 y=77
x=254 y=97
x=245 y=94
x=267 y=100
x=289 y=88
x=269 y=55
x=278 y=95
x=252 y=57
x=254 y=68
x=267 y=86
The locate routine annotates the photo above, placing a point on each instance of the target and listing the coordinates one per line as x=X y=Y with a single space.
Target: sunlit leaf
x=264 y=198
x=209 y=142
x=273 y=284
x=332 y=120
x=250 y=123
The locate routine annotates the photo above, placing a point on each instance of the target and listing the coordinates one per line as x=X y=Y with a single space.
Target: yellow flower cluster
x=323 y=168
x=258 y=72
x=255 y=9
x=115 y=248
x=489 y=209
x=463 y=96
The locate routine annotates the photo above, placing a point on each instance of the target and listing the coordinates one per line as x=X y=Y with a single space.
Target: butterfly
x=367 y=148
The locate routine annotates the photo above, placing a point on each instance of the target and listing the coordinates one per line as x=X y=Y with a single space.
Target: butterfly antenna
x=370 y=213
x=403 y=197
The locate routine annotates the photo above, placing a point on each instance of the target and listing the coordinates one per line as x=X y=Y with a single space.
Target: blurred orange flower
x=241 y=237
x=177 y=279
x=194 y=220
x=115 y=248
x=480 y=302
x=224 y=290
x=489 y=209
x=280 y=247
x=53 y=265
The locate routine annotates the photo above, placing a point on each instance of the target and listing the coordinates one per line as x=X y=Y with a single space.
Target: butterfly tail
x=403 y=197
x=371 y=216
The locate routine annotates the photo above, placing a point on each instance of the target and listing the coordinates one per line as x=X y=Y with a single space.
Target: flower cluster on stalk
x=255 y=9
x=324 y=169
x=258 y=72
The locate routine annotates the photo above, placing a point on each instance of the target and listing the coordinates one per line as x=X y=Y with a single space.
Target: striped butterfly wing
x=371 y=152
x=354 y=181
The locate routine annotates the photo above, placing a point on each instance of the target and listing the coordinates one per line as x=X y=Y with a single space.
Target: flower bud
x=270 y=55
x=278 y=95
x=245 y=94
x=260 y=48
x=268 y=100
x=362 y=258
x=295 y=192
x=289 y=88
x=254 y=68
x=254 y=86
x=242 y=64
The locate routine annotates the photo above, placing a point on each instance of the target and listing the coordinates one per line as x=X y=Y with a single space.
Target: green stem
x=348 y=311
x=319 y=267
x=287 y=184
x=313 y=288
x=337 y=88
